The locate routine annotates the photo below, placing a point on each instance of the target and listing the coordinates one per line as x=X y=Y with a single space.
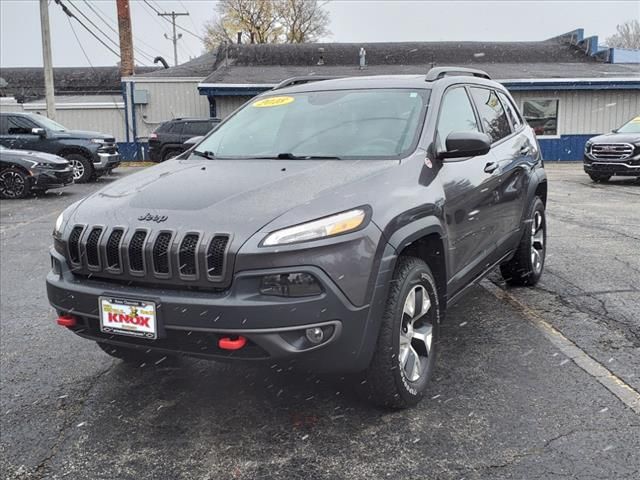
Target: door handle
x=491 y=167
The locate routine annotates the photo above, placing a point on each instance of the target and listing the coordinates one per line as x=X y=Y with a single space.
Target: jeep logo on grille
x=152 y=218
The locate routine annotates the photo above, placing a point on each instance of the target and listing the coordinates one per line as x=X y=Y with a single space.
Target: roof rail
x=437 y=73
x=300 y=80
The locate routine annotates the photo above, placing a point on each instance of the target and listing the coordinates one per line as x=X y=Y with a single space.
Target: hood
x=34 y=156
x=613 y=137
x=223 y=196
x=82 y=134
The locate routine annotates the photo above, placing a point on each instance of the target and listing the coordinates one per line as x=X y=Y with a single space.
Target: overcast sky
x=351 y=21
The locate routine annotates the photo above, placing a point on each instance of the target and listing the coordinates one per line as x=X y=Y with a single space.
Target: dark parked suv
x=168 y=140
x=330 y=223
x=615 y=153
x=91 y=154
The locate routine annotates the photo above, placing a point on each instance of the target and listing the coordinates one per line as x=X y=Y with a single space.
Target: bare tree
x=628 y=35
x=303 y=20
x=267 y=21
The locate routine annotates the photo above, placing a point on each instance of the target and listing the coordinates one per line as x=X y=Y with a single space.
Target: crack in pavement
x=40 y=468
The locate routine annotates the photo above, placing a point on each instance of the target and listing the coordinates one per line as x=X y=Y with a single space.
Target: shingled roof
x=271 y=63
x=27 y=83
x=198 y=67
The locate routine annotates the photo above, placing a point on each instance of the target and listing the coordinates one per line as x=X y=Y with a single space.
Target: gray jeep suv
x=326 y=222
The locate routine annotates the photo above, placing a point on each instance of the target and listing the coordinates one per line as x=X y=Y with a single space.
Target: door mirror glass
x=466 y=144
x=41 y=132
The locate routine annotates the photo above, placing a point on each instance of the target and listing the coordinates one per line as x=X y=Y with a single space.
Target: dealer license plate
x=122 y=316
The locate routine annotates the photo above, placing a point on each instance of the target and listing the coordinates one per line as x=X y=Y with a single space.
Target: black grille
x=215 y=256
x=187 y=254
x=611 y=151
x=161 y=253
x=144 y=257
x=113 y=249
x=74 y=245
x=93 y=257
x=136 y=252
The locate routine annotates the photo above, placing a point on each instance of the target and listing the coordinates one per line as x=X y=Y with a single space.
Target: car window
x=492 y=115
x=514 y=116
x=456 y=115
x=20 y=125
x=632 y=126
x=348 y=124
x=197 y=128
x=175 y=127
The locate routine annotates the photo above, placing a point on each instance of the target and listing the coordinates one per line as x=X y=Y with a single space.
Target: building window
x=542 y=116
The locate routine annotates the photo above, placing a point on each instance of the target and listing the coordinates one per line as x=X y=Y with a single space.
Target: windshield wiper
x=206 y=154
x=291 y=156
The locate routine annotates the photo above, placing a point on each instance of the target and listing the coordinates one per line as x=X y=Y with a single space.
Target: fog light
x=290 y=285
x=315 y=335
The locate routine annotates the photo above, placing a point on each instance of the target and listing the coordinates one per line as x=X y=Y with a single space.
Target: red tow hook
x=67 y=321
x=228 y=343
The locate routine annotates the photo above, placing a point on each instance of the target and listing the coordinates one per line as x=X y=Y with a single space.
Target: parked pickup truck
x=615 y=153
x=90 y=154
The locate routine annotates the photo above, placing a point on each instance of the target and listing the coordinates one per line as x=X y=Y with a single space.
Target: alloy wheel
x=12 y=184
x=537 y=242
x=416 y=334
x=78 y=169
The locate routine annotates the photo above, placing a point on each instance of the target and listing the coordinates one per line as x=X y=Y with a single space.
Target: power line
x=101 y=15
x=70 y=14
x=177 y=26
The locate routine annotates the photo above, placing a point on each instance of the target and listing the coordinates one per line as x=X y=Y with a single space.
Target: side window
x=542 y=115
x=456 y=115
x=20 y=125
x=197 y=128
x=516 y=120
x=493 y=117
x=175 y=127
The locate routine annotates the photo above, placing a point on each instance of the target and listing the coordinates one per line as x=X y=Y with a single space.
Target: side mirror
x=466 y=144
x=41 y=132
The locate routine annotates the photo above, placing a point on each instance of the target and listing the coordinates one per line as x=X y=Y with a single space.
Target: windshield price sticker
x=273 y=102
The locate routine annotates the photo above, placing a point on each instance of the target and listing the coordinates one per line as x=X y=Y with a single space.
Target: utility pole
x=126 y=41
x=175 y=37
x=46 y=59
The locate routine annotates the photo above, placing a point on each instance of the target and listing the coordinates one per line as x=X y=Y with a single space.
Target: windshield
x=632 y=126
x=344 y=124
x=48 y=123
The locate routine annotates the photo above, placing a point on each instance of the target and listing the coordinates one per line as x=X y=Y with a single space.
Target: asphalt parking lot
x=509 y=398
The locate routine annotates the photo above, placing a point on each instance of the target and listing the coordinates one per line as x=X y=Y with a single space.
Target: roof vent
x=363 y=58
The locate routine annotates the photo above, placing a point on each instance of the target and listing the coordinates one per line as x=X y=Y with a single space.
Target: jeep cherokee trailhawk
x=328 y=221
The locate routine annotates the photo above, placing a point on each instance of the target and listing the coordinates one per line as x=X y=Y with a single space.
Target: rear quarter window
x=492 y=115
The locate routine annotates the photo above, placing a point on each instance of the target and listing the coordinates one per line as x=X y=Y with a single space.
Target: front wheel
x=14 y=183
x=83 y=170
x=525 y=268
x=405 y=354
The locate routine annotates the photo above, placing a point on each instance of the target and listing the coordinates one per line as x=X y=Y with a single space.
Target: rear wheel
x=14 y=183
x=170 y=153
x=83 y=170
x=525 y=268
x=405 y=355
x=599 y=177
x=133 y=356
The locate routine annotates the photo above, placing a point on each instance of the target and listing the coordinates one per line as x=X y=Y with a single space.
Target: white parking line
x=611 y=382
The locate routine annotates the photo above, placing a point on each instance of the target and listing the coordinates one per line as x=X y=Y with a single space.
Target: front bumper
x=106 y=161
x=192 y=321
x=625 y=167
x=44 y=179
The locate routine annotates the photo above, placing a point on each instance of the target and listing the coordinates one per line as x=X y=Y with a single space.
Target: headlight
x=57 y=229
x=322 y=228
x=587 y=146
x=97 y=140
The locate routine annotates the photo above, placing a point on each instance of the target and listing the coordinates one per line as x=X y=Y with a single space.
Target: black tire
x=14 y=183
x=387 y=381
x=134 y=356
x=599 y=177
x=83 y=170
x=527 y=265
x=169 y=153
